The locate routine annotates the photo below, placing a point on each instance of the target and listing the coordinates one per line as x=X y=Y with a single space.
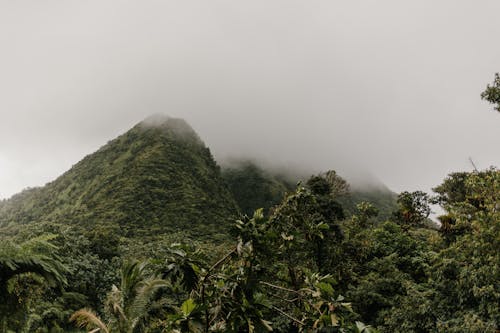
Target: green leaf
x=325 y=288
x=188 y=306
x=323 y=226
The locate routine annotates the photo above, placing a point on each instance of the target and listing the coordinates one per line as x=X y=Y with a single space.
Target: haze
x=387 y=88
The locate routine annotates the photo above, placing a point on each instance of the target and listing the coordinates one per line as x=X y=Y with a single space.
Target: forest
x=150 y=234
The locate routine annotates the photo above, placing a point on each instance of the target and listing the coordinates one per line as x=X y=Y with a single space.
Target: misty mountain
x=158 y=177
x=255 y=186
x=381 y=197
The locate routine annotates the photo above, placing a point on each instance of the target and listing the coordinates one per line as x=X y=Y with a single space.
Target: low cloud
x=388 y=89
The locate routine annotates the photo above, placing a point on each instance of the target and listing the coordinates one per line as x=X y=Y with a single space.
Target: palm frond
x=88 y=319
x=114 y=303
x=132 y=274
x=138 y=309
x=36 y=255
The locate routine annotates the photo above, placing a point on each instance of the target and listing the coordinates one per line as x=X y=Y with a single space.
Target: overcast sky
x=389 y=87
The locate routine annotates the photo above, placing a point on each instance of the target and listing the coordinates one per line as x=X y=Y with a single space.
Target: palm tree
x=36 y=256
x=128 y=306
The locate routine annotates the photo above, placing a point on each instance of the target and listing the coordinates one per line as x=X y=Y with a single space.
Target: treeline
x=303 y=267
x=310 y=261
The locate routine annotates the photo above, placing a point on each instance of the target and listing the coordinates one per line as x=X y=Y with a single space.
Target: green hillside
x=382 y=198
x=141 y=236
x=253 y=187
x=256 y=187
x=158 y=177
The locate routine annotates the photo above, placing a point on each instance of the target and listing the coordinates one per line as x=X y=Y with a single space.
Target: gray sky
x=389 y=87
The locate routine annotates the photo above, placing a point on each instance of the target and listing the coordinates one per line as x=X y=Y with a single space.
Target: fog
x=387 y=88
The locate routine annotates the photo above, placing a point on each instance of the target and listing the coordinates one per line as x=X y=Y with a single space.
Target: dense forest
x=150 y=234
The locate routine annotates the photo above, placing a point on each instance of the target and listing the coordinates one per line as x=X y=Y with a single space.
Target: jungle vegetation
x=148 y=234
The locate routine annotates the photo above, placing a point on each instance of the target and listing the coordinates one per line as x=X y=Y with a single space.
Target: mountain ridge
x=158 y=174
x=159 y=177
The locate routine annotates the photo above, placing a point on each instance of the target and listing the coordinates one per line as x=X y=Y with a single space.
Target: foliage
x=253 y=187
x=413 y=209
x=139 y=233
x=128 y=306
x=267 y=281
x=492 y=93
x=25 y=270
x=467 y=270
x=155 y=178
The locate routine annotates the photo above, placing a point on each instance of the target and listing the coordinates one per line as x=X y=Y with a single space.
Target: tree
x=128 y=306
x=413 y=209
x=492 y=93
x=270 y=280
x=328 y=183
x=459 y=197
x=291 y=251
x=323 y=207
x=465 y=274
x=36 y=255
x=25 y=269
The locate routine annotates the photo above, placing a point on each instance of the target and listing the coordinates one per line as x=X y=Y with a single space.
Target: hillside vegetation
x=148 y=235
x=254 y=186
x=158 y=177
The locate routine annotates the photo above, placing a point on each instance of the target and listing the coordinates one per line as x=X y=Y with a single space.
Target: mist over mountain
x=259 y=185
x=385 y=87
x=158 y=176
x=325 y=166
x=153 y=209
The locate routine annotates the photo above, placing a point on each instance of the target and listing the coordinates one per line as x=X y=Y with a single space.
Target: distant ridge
x=254 y=186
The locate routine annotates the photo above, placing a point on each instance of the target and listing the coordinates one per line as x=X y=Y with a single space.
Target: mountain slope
x=255 y=187
x=158 y=177
x=382 y=198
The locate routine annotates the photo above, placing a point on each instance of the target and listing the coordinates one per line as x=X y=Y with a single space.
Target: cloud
x=386 y=87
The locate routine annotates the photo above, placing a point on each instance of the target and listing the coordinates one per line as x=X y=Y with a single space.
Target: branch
x=280 y=288
x=204 y=280
x=473 y=165
x=292 y=301
x=214 y=266
x=287 y=289
x=288 y=316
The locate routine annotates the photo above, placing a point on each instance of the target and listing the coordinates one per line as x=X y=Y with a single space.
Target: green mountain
x=158 y=177
x=381 y=197
x=253 y=186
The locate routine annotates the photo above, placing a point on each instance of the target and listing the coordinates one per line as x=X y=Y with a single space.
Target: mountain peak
x=155 y=120
x=177 y=127
x=156 y=178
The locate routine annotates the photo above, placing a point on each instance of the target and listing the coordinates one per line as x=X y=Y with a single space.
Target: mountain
x=254 y=186
x=381 y=197
x=158 y=177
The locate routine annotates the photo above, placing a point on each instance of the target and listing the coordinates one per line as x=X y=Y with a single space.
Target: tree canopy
x=492 y=93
